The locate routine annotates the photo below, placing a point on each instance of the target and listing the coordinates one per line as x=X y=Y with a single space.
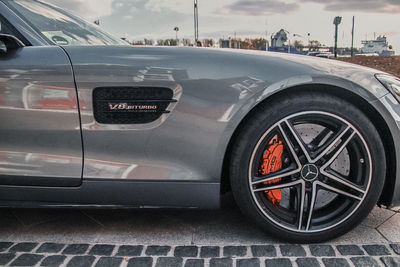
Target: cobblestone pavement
x=54 y=237
x=56 y=254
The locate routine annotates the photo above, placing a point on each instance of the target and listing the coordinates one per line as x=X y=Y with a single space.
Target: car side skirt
x=115 y=194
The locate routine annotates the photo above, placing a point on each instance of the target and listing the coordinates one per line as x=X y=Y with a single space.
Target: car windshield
x=60 y=27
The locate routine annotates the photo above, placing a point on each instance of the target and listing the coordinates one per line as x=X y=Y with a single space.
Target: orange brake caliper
x=272 y=162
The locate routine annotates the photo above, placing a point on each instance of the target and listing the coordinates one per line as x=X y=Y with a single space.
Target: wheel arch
x=358 y=101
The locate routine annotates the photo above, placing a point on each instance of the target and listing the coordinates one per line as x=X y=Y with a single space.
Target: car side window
x=5 y=27
x=3 y=30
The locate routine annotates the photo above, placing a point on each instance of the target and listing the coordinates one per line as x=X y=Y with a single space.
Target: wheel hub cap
x=309 y=172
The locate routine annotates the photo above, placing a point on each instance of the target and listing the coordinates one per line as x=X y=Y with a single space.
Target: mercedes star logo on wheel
x=309 y=172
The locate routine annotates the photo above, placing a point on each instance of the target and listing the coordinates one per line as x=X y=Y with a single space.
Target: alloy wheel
x=324 y=175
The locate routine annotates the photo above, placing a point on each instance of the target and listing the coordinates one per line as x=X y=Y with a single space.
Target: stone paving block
x=396 y=248
x=6 y=258
x=228 y=226
x=347 y=250
x=102 y=250
x=221 y=262
x=377 y=217
x=322 y=250
x=37 y=217
x=364 y=262
x=50 y=248
x=109 y=262
x=27 y=260
x=76 y=249
x=81 y=261
x=209 y=252
x=157 y=250
x=23 y=247
x=391 y=261
x=126 y=250
x=186 y=251
x=247 y=263
x=232 y=251
x=307 y=262
x=281 y=262
x=292 y=251
x=141 y=262
x=169 y=262
x=194 y=263
x=5 y=245
x=53 y=260
x=263 y=251
x=362 y=234
x=376 y=250
x=335 y=262
x=390 y=229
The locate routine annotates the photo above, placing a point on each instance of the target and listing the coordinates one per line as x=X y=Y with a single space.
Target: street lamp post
x=352 y=38
x=336 y=21
x=196 y=22
x=176 y=29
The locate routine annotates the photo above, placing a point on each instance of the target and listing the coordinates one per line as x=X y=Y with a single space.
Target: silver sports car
x=307 y=146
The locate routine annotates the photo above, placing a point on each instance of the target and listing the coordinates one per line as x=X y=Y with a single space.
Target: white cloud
x=370 y=6
x=182 y=6
x=84 y=8
x=260 y=8
x=128 y=17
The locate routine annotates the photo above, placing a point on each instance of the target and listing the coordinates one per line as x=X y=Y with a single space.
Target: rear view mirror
x=9 y=42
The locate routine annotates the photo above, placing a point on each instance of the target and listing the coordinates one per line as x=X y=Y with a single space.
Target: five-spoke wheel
x=310 y=167
x=314 y=144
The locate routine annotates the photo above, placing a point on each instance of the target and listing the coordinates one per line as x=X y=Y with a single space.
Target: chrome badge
x=134 y=108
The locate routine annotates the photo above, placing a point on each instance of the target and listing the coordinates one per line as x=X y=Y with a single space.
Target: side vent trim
x=131 y=105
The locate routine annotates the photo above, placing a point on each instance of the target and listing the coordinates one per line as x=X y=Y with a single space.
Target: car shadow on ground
x=164 y=226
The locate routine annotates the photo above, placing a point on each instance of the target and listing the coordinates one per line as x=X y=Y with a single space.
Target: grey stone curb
x=55 y=254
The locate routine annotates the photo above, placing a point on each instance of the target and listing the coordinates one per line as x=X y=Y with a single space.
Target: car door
x=40 y=135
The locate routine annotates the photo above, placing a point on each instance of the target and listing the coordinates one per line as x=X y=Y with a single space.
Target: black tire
x=364 y=144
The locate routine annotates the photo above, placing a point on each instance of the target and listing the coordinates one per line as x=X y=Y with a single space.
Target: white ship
x=379 y=46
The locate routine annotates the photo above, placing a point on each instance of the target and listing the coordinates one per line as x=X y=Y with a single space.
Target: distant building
x=279 y=39
x=379 y=46
x=279 y=43
x=230 y=43
x=225 y=43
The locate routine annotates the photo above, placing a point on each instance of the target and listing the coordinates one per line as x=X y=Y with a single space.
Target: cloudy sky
x=153 y=19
